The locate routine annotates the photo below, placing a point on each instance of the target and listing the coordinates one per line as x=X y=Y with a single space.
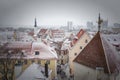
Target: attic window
x=117 y=45
x=115 y=40
x=86 y=41
x=108 y=39
x=80 y=47
x=37 y=53
x=75 y=54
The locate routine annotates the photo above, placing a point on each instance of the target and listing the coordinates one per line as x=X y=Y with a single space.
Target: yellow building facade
x=77 y=48
x=25 y=64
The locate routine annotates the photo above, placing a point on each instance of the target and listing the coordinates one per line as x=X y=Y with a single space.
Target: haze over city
x=59 y=40
x=57 y=12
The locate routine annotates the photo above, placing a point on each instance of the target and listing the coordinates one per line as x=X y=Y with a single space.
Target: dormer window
x=115 y=40
x=80 y=47
x=75 y=54
x=37 y=53
x=108 y=39
x=86 y=41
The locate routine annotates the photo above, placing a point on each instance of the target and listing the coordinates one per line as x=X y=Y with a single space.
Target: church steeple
x=35 y=24
x=99 y=22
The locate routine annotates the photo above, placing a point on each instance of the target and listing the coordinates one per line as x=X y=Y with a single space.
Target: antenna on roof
x=99 y=22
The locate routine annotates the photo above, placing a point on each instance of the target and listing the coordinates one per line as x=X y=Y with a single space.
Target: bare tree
x=8 y=64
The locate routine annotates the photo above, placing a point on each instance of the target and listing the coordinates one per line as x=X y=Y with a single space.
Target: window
x=115 y=40
x=25 y=61
x=117 y=45
x=75 y=54
x=10 y=71
x=99 y=71
x=10 y=78
x=39 y=61
x=1 y=62
x=108 y=39
x=36 y=52
x=86 y=41
x=80 y=47
x=32 y=61
x=38 y=36
x=48 y=61
x=19 y=63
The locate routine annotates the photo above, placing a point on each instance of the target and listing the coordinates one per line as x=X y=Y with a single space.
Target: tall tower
x=35 y=27
x=99 y=22
x=70 y=25
x=35 y=24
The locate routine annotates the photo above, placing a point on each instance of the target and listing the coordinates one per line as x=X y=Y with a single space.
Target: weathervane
x=99 y=22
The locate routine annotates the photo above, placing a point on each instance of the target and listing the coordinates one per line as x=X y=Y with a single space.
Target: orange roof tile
x=93 y=54
x=79 y=34
x=42 y=31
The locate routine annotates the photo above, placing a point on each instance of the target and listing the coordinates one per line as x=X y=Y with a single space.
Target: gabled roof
x=42 y=31
x=31 y=33
x=79 y=34
x=93 y=54
x=100 y=53
x=57 y=31
x=46 y=52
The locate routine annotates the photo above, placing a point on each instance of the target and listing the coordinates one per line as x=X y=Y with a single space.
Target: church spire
x=35 y=24
x=99 y=22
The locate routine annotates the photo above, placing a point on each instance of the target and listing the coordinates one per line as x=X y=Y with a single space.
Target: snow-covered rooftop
x=33 y=72
x=112 y=38
x=29 y=49
x=46 y=52
x=18 y=44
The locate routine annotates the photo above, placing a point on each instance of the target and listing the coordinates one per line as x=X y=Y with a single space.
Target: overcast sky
x=58 y=12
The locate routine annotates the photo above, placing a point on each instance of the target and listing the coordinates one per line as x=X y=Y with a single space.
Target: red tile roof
x=42 y=31
x=93 y=54
x=31 y=33
x=79 y=34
